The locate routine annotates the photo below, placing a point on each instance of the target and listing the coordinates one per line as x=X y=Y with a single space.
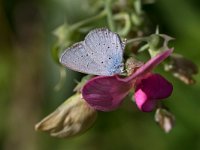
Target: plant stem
x=127 y=23
x=109 y=15
x=137 y=40
x=137 y=6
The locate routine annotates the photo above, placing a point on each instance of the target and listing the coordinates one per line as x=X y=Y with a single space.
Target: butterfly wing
x=106 y=49
x=101 y=53
x=77 y=59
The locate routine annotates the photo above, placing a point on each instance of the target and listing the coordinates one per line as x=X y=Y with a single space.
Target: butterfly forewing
x=77 y=59
x=101 y=53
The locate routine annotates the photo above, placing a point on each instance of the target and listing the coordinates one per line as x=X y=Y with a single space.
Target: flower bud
x=165 y=119
x=71 y=118
x=182 y=68
x=158 y=43
x=149 y=90
x=132 y=64
x=155 y=42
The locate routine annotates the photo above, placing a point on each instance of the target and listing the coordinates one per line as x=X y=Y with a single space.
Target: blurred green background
x=28 y=75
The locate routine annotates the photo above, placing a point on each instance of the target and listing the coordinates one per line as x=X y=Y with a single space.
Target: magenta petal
x=155 y=87
x=142 y=101
x=150 y=89
x=105 y=93
x=149 y=65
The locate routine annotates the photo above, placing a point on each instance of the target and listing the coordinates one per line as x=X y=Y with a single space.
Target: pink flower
x=150 y=89
x=106 y=93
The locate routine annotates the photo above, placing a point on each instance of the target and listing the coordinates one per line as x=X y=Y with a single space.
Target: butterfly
x=101 y=53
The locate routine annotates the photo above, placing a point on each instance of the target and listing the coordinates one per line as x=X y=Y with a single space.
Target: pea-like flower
x=106 y=93
x=150 y=89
